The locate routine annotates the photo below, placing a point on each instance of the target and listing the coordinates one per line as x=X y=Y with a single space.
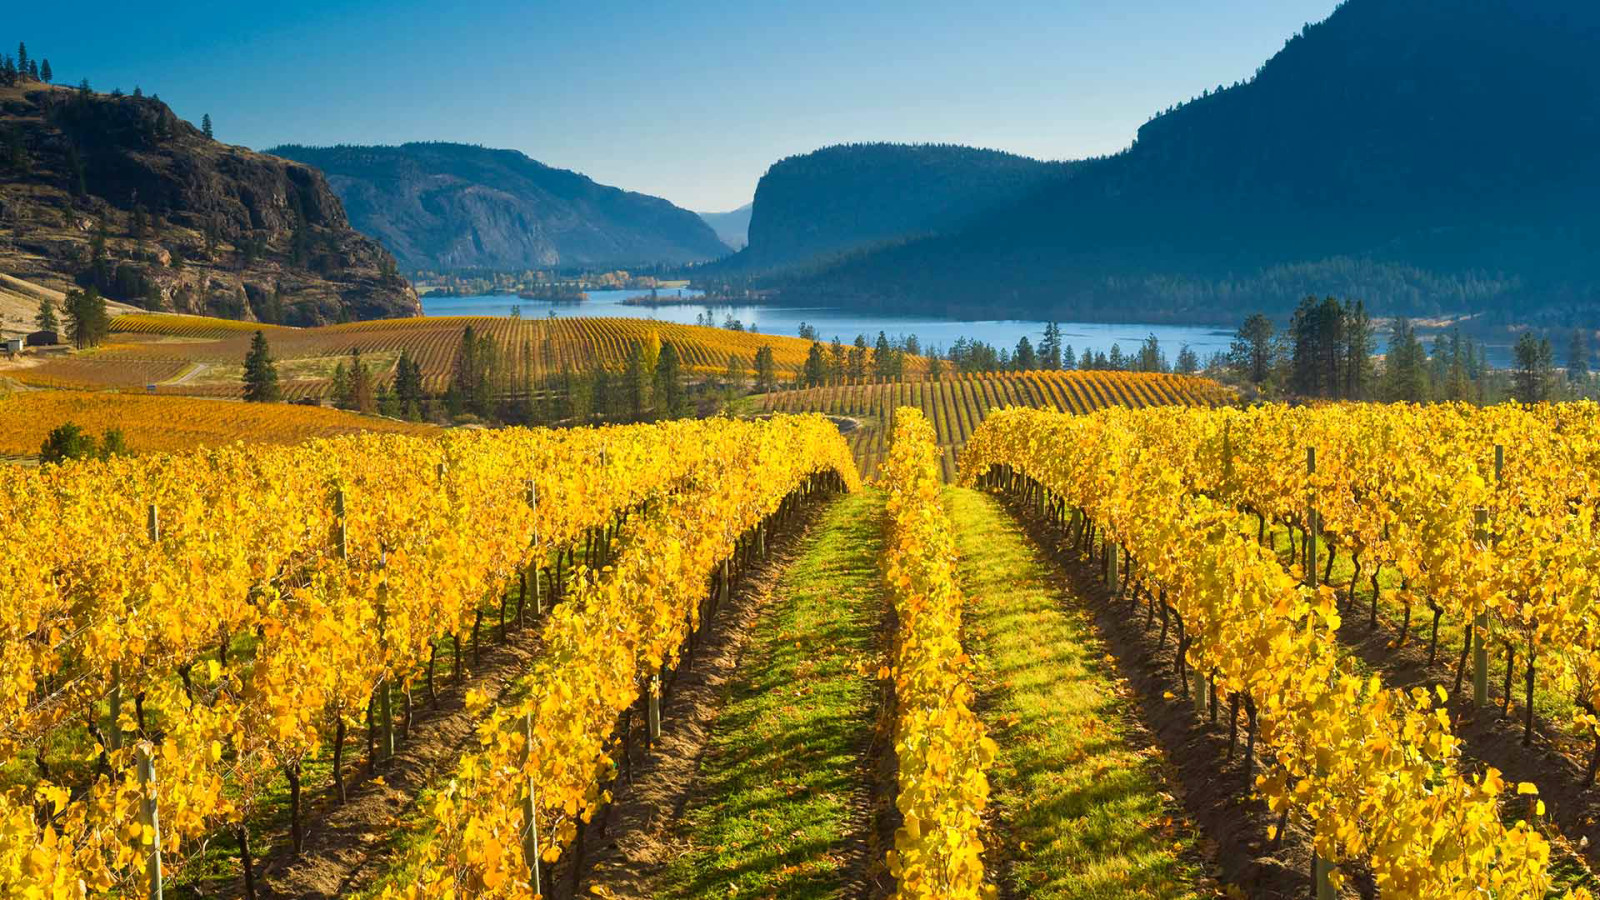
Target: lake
x=931 y=331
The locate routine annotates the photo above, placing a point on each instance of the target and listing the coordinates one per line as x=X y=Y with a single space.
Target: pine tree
x=1150 y=358
x=1357 y=351
x=882 y=358
x=45 y=74
x=766 y=371
x=1252 y=352
x=408 y=387
x=669 y=381
x=205 y=126
x=1405 y=365
x=1024 y=359
x=737 y=372
x=1578 y=357
x=1069 y=360
x=260 y=372
x=22 y=57
x=935 y=366
x=1534 y=362
x=816 y=370
x=636 y=383
x=1188 y=362
x=45 y=319
x=858 y=359
x=363 y=392
x=87 y=321
x=1050 y=347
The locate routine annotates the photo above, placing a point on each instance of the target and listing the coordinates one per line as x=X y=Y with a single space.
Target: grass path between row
x=1078 y=790
x=779 y=809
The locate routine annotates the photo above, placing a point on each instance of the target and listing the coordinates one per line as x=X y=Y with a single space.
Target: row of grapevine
x=1488 y=516
x=174 y=424
x=234 y=611
x=520 y=801
x=1373 y=771
x=942 y=750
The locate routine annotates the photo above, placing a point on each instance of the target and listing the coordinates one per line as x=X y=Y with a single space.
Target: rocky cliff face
x=118 y=192
x=443 y=206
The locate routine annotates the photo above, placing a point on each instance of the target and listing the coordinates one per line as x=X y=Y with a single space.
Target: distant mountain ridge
x=450 y=206
x=1428 y=155
x=732 y=227
x=842 y=199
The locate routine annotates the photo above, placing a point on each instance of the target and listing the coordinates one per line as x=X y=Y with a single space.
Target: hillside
x=119 y=192
x=201 y=356
x=843 y=198
x=732 y=227
x=441 y=206
x=1428 y=156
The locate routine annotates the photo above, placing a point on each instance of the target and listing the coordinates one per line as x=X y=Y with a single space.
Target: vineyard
x=171 y=424
x=1155 y=649
x=158 y=348
x=957 y=404
x=226 y=617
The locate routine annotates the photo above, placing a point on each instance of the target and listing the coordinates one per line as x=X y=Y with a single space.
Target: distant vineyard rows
x=957 y=405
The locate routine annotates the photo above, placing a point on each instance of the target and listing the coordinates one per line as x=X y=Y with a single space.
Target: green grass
x=1079 y=799
x=774 y=807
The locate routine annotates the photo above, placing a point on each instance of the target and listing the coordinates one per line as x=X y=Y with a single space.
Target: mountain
x=733 y=227
x=119 y=192
x=844 y=198
x=1427 y=155
x=442 y=206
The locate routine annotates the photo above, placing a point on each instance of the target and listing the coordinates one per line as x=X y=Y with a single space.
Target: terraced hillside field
x=958 y=404
x=203 y=356
x=172 y=424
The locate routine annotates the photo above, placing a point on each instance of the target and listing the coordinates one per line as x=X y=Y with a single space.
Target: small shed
x=43 y=339
x=11 y=345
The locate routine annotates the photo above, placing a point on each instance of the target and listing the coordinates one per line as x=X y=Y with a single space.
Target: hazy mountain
x=1428 y=155
x=185 y=222
x=844 y=198
x=449 y=206
x=733 y=227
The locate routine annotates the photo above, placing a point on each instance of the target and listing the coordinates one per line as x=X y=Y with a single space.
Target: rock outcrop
x=118 y=192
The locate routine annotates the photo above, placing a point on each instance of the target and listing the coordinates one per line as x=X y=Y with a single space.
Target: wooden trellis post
x=1312 y=525
x=655 y=708
x=1480 y=628
x=1322 y=884
x=149 y=817
x=530 y=811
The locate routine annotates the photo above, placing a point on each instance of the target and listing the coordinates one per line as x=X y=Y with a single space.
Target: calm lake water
x=845 y=324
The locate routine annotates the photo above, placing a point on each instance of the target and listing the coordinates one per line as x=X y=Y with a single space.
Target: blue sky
x=690 y=101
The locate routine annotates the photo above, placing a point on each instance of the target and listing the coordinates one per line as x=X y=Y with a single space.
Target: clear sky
x=691 y=101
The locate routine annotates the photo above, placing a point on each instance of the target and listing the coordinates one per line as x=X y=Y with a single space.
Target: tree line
x=1330 y=350
x=484 y=386
x=15 y=70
